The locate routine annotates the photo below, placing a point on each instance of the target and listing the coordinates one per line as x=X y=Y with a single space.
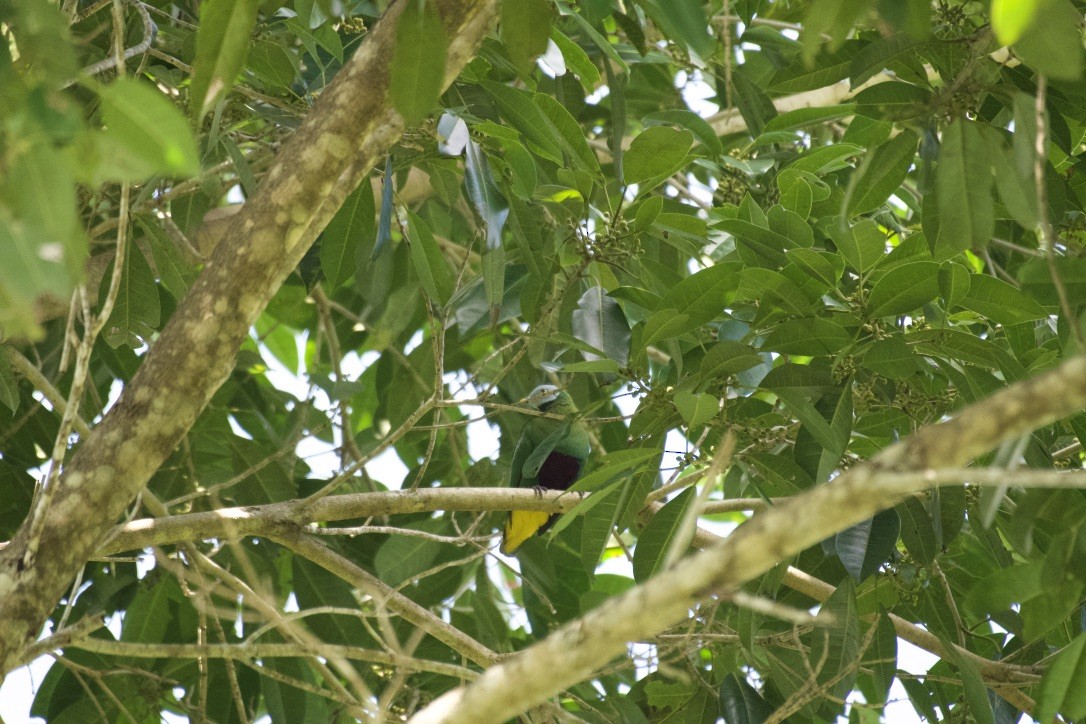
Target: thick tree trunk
x=349 y=128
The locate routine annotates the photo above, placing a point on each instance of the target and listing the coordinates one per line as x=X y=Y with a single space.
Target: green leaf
x=804 y=117
x=1036 y=279
x=1017 y=191
x=429 y=262
x=703 y=296
x=265 y=480
x=692 y=122
x=585 y=506
x=148 y=616
x=740 y=703
x=39 y=188
x=577 y=60
x=29 y=272
x=823 y=70
x=754 y=104
x=917 y=531
x=892 y=100
x=797 y=194
x=1052 y=44
x=878 y=55
x=809 y=337
x=384 y=219
x=616 y=84
x=1063 y=688
x=812 y=420
x=272 y=64
x=520 y=110
x=402 y=557
x=774 y=291
x=656 y=153
x=963 y=188
x=822 y=266
x=658 y=537
x=1005 y=587
x=417 y=74
x=696 y=409
x=904 y=289
x=599 y=321
x=598 y=366
x=9 y=386
x=1012 y=18
x=175 y=272
x=954 y=281
x=682 y=21
x=245 y=172
x=976 y=692
x=864 y=547
x=288 y=703
x=892 y=358
x=140 y=119
x=881 y=657
x=1000 y=302
x=838 y=645
x=607 y=468
x=315 y=587
x=526 y=26
x=570 y=134
x=222 y=44
x=826 y=160
x=765 y=245
x=350 y=233
x=831 y=17
x=136 y=310
x=597 y=524
x=665 y=324
x=728 y=357
x=881 y=173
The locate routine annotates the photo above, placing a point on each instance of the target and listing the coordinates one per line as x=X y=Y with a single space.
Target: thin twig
x=1044 y=224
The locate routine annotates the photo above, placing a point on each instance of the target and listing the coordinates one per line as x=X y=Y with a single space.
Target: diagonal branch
x=350 y=126
x=573 y=652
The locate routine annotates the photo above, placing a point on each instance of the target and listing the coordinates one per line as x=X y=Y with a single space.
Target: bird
x=548 y=456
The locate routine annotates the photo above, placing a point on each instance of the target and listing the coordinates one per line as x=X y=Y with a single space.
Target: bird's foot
x=539 y=490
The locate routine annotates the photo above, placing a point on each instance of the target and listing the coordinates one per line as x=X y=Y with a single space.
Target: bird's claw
x=539 y=490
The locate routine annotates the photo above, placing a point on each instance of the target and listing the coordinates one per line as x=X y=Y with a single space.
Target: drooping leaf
x=1063 y=688
x=350 y=233
x=136 y=309
x=866 y=546
x=418 y=60
x=599 y=321
x=429 y=262
x=526 y=26
x=963 y=187
x=881 y=173
x=659 y=536
x=222 y=44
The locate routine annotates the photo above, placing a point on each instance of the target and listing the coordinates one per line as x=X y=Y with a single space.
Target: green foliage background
x=821 y=281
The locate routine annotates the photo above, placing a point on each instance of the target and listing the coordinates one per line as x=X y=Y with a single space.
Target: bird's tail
x=521 y=525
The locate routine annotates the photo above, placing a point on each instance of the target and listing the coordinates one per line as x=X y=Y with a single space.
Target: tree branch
x=351 y=125
x=573 y=652
x=248 y=651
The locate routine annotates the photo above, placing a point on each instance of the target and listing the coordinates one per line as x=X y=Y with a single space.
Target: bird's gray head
x=548 y=398
x=543 y=396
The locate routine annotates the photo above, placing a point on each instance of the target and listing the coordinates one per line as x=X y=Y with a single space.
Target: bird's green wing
x=539 y=455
